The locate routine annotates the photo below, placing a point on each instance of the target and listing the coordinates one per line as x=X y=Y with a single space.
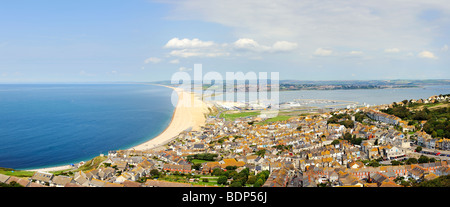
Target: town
x=357 y=147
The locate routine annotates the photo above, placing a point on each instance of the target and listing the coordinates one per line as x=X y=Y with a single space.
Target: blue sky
x=140 y=40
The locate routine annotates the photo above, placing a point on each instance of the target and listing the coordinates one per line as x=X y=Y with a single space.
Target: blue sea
x=48 y=125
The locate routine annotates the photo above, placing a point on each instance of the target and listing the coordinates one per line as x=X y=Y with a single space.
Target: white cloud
x=284 y=46
x=187 y=43
x=196 y=48
x=392 y=50
x=323 y=52
x=252 y=45
x=445 y=48
x=152 y=60
x=427 y=54
x=249 y=44
x=186 y=48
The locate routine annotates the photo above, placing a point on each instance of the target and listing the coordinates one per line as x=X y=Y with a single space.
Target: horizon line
x=157 y=81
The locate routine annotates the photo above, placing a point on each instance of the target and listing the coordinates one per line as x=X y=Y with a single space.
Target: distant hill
x=345 y=84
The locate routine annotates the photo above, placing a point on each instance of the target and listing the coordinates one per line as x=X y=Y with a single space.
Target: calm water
x=368 y=96
x=346 y=97
x=50 y=125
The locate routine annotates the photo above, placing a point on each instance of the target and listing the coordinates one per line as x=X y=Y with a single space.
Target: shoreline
x=189 y=113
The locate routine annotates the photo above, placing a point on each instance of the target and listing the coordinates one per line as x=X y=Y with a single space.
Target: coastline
x=188 y=114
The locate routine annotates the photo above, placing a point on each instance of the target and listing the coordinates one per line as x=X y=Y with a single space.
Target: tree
x=258 y=183
x=347 y=136
x=418 y=148
x=411 y=160
x=441 y=181
x=154 y=172
x=236 y=184
x=217 y=172
x=231 y=167
x=251 y=179
x=335 y=142
x=395 y=162
x=196 y=166
x=261 y=153
x=222 y=180
x=423 y=159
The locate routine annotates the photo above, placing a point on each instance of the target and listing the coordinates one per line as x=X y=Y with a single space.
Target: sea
x=360 y=97
x=47 y=125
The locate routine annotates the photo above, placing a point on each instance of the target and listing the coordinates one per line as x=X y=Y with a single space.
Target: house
x=231 y=162
x=4 y=178
x=393 y=153
x=443 y=170
x=129 y=183
x=108 y=184
x=81 y=178
x=443 y=144
x=417 y=173
x=72 y=185
x=121 y=165
x=96 y=183
x=355 y=164
x=60 y=181
x=139 y=171
x=333 y=176
x=347 y=179
x=208 y=167
x=430 y=176
x=378 y=178
x=126 y=176
x=198 y=147
x=42 y=177
x=19 y=181
x=105 y=173
x=389 y=184
x=180 y=168
x=278 y=178
x=251 y=159
x=373 y=153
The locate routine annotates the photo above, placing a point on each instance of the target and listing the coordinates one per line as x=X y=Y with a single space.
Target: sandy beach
x=189 y=114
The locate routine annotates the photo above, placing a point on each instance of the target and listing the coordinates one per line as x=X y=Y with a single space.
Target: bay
x=45 y=125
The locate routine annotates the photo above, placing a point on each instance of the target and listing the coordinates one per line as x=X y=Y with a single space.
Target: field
x=232 y=116
x=275 y=119
x=197 y=161
x=16 y=173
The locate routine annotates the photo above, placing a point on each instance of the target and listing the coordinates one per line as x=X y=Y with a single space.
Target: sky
x=144 y=40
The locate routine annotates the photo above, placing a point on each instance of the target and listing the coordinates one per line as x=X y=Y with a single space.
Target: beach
x=189 y=114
